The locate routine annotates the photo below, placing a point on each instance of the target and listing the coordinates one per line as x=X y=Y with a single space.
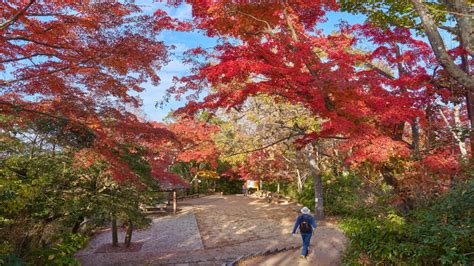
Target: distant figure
x=244 y=189
x=306 y=224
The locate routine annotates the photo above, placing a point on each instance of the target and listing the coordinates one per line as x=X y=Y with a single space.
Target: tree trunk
x=318 y=184
x=174 y=202
x=470 y=110
x=454 y=130
x=318 y=198
x=415 y=130
x=469 y=103
x=439 y=49
x=77 y=225
x=128 y=234
x=114 y=231
x=300 y=181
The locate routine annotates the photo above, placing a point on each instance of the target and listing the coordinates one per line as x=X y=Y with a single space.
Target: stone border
x=261 y=253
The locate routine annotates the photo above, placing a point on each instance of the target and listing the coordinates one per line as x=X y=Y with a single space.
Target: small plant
x=62 y=252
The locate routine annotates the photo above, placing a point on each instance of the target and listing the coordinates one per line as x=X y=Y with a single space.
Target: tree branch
x=21 y=38
x=379 y=70
x=439 y=48
x=12 y=20
x=25 y=57
x=264 y=146
x=21 y=108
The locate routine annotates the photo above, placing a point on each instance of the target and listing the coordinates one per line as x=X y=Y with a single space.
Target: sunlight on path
x=214 y=230
x=166 y=234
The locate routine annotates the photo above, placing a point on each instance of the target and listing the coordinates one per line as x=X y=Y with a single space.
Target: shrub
x=439 y=231
x=63 y=250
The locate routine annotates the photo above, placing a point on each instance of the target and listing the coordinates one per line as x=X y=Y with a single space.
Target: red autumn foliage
x=194 y=141
x=263 y=165
x=79 y=62
x=366 y=96
x=283 y=54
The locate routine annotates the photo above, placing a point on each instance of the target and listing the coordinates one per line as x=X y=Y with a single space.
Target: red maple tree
x=79 y=63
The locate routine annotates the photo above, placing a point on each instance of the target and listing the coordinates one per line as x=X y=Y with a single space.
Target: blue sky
x=187 y=40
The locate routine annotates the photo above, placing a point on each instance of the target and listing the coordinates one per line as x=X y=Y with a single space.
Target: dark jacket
x=308 y=218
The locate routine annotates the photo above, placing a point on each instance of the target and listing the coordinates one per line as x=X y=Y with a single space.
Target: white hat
x=305 y=210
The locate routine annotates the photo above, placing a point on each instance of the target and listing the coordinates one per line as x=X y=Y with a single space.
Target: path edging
x=261 y=253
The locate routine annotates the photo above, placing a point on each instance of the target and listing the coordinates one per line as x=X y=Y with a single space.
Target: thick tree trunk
x=114 y=231
x=439 y=48
x=469 y=103
x=128 y=234
x=470 y=109
x=318 y=184
x=318 y=198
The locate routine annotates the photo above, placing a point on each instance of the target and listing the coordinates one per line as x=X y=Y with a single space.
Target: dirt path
x=326 y=248
x=220 y=229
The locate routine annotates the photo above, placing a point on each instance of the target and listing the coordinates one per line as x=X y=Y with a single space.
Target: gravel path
x=218 y=229
x=166 y=235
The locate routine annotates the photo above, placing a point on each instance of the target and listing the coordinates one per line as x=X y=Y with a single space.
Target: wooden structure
x=253 y=184
x=169 y=183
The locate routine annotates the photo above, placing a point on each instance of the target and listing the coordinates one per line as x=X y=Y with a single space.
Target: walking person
x=306 y=223
x=245 y=189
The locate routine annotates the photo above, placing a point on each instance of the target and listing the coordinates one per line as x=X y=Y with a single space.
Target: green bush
x=341 y=195
x=62 y=252
x=440 y=231
x=228 y=186
x=306 y=197
x=444 y=227
x=380 y=239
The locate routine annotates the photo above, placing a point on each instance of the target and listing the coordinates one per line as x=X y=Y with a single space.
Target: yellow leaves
x=208 y=174
x=307 y=123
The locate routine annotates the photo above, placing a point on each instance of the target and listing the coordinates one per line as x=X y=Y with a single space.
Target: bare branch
x=264 y=146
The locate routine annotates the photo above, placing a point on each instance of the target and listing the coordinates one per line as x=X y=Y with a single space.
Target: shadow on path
x=219 y=229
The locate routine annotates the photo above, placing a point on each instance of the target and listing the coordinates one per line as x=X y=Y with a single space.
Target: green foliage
x=228 y=186
x=380 y=239
x=386 y=13
x=45 y=195
x=62 y=252
x=306 y=197
x=440 y=231
x=341 y=194
x=445 y=227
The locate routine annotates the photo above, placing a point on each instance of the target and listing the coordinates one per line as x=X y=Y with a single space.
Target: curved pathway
x=217 y=229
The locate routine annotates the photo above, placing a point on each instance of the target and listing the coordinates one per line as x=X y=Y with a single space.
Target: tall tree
x=78 y=63
x=442 y=22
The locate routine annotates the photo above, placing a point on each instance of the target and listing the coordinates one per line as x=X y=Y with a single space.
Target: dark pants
x=306 y=239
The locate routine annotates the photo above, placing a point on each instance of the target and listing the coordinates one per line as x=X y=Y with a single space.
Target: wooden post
x=174 y=201
x=114 y=231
